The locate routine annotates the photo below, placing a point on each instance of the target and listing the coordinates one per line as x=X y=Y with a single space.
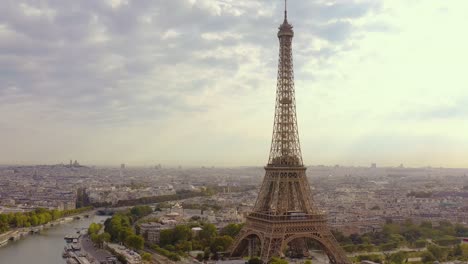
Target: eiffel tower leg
x=253 y=247
x=247 y=243
x=298 y=247
x=272 y=247
x=335 y=253
x=325 y=238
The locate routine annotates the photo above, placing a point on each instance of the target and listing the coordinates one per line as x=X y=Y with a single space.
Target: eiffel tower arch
x=284 y=215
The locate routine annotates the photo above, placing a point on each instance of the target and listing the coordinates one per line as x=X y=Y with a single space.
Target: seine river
x=45 y=247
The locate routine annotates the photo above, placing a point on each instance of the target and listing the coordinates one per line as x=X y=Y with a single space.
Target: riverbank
x=97 y=254
x=19 y=233
x=83 y=251
x=45 y=247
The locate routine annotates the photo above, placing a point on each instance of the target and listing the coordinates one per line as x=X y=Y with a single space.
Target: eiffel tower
x=284 y=218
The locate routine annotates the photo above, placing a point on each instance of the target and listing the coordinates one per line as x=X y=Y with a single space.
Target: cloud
x=64 y=60
x=114 y=64
x=456 y=110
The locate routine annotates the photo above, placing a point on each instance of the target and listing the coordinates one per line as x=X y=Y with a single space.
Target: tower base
x=268 y=236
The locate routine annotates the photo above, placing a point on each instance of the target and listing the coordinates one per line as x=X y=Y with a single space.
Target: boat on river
x=72 y=238
x=69 y=248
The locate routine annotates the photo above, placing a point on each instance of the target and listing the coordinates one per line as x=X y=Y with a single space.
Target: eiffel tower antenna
x=284 y=215
x=285 y=9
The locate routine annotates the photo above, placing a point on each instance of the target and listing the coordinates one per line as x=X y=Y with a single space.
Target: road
x=156 y=258
x=88 y=247
x=403 y=249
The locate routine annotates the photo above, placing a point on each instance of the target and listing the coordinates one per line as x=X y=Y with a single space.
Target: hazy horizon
x=200 y=166
x=193 y=82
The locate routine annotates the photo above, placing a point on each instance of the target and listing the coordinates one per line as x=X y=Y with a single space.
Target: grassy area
x=391 y=245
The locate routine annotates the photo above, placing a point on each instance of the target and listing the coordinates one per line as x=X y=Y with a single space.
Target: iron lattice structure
x=284 y=218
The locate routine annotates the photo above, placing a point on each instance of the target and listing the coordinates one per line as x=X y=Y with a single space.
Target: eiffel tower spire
x=284 y=215
x=285 y=146
x=285 y=10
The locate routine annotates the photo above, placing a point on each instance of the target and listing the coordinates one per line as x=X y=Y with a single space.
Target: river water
x=45 y=247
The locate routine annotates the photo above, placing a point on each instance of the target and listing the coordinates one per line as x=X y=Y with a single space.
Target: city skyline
x=193 y=82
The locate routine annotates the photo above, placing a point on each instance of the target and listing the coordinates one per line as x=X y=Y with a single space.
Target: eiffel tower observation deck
x=284 y=218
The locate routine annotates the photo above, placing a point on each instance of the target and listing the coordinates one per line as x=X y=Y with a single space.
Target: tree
x=166 y=237
x=135 y=242
x=447 y=241
x=195 y=218
x=373 y=257
x=388 y=246
x=349 y=248
x=208 y=232
x=118 y=227
x=426 y=224
x=105 y=237
x=4 y=223
x=366 y=247
x=427 y=257
x=356 y=239
x=340 y=237
x=56 y=214
x=412 y=234
x=141 y=211
x=464 y=249
x=184 y=246
x=181 y=233
x=146 y=256
x=197 y=245
x=124 y=233
x=200 y=257
x=100 y=239
x=421 y=243
x=398 y=239
x=231 y=230
x=34 y=220
x=221 y=243
x=457 y=251
x=461 y=231
x=170 y=247
x=255 y=260
x=94 y=228
x=391 y=229
x=95 y=238
x=276 y=260
x=206 y=254
x=398 y=258
x=437 y=252
x=447 y=228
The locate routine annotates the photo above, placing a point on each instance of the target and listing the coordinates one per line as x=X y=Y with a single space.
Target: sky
x=192 y=82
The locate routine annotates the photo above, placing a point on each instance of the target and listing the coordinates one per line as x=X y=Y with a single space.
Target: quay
x=83 y=251
x=48 y=245
x=19 y=233
x=73 y=252
x=11 y=236
x=77 y=259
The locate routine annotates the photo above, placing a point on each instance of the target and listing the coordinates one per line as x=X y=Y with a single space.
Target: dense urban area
x=166 y=214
